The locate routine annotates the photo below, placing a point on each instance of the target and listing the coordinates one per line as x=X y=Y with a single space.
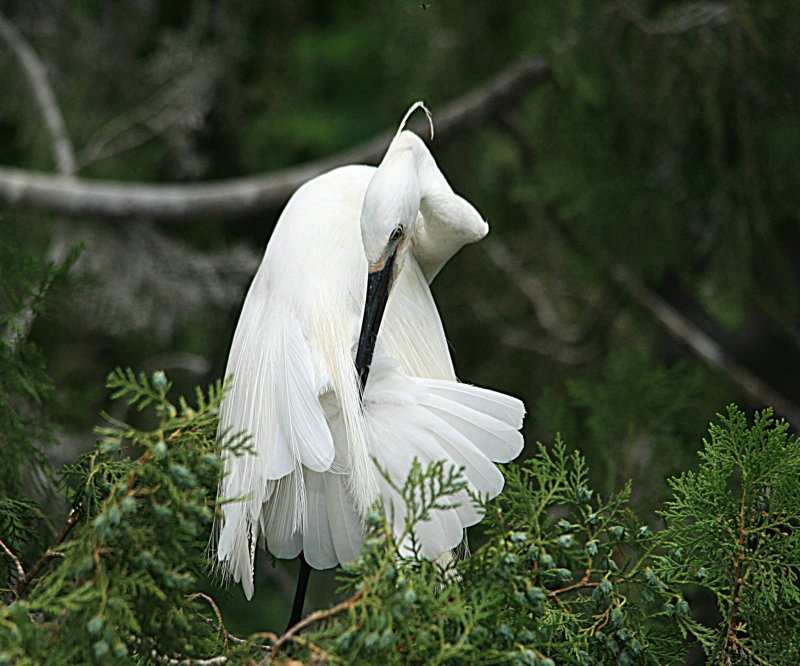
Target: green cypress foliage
x=563 y=576
x=125 y=568
x=736 y=521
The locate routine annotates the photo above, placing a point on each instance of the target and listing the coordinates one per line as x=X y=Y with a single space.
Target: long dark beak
x=379 y=284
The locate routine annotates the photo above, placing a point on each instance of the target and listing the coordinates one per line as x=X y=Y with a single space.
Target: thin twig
x=14 y=559
x=316 y=616
x=36 y=75
x=50 y=553
x=171 y=661
x=219 y=628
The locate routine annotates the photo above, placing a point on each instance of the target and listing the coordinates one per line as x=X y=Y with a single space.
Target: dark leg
x=300 y=592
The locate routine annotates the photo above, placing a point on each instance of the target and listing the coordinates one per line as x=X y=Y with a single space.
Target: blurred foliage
x=667 y=142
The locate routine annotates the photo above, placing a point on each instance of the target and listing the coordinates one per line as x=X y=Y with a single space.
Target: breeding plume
x=339 y=360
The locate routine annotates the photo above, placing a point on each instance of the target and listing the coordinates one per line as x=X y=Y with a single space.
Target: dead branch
x=539 y=295
x=36 y=75
x=253 y=195
x=171 y=661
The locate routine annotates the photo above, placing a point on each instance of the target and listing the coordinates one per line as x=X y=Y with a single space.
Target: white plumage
x=297 y=390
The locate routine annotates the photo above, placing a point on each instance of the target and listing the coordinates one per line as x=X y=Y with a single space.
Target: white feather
x=300 y=415
x=345 y=524
x=281 y=519
x=497 y=440
x=318 y=547
x=503 y=407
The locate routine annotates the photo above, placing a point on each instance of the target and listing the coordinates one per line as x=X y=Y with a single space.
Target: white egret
x=321 y=410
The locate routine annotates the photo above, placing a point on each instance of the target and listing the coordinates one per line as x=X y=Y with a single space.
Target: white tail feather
x=318 y=548
x=345 y=525
x=503 y=407
x=497 y=440
x=300 y=415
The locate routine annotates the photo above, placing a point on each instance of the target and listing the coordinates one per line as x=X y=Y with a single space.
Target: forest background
x=637 y=161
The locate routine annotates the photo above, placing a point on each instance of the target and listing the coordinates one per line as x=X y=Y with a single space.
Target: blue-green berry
x=518 y=538
x=160 y=450
x=566 y=541
x=100 y=650
x=128 y=505
x=617 y=531
x=159 y=380
x=565 y=575
x=95 y=625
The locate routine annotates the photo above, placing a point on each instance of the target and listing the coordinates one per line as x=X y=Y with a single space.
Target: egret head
x=388 y=216
x=390 y=207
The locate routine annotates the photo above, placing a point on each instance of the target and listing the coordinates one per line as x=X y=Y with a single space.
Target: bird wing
x=274 y=399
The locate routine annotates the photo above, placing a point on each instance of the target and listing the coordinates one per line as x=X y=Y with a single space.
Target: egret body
x=339 y=360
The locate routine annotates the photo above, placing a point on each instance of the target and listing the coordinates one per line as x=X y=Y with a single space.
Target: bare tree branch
x=703 y=345
x=688 y=16
x=254 y=195
x=36 y=76
x=63 y=152
x=49 y=554
x=539 y=295
x=14 y=559
x=685 y=331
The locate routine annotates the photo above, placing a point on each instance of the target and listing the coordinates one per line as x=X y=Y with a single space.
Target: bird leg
x=300 y=592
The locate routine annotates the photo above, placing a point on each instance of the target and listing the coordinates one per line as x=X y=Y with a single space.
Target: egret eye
x=397 y=234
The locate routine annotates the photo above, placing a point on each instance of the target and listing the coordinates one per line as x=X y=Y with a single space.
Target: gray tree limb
x=253 y=195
